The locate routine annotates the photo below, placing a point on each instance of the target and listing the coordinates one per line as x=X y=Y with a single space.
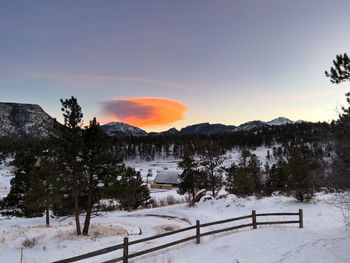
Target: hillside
x=24 y=121
x=121 y=129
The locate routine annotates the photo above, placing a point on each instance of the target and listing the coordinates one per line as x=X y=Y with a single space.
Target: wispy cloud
x=144 y=111
x=302 y=96
x=104 y=78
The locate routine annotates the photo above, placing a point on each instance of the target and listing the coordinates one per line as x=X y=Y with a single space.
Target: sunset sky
x=162 y=64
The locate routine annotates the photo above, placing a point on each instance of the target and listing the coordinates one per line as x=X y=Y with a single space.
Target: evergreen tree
x=254 y=171
x=277 y=178
x=341 y=166
x=301 y=178
x=245 y=154
x=42 y=192
x=211 y=161
x=14 y=203
x=69 y=154
x=128 y=189
x=341 y=70
x=245 y=179
x=229 y=183
x=268 y=155
x=190 y=176
x=239 y=182
x=99 y=162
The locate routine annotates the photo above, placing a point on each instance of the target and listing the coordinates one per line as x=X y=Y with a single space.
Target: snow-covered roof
x=167 y=177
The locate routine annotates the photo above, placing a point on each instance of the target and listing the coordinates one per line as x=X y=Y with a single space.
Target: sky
x=162 y=64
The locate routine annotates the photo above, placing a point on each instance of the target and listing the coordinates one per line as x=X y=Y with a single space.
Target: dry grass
x=168 y=200
x=99 y=230
x=95 y=231
x=29 y=242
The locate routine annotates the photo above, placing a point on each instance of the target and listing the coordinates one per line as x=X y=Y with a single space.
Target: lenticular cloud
x=144 y=111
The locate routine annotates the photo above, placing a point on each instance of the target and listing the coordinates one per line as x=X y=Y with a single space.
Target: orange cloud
x=145 y=111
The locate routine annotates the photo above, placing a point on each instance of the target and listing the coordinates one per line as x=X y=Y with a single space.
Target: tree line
x=148 y=148
x=299 y=168
x=71 y=173
x=296 y=171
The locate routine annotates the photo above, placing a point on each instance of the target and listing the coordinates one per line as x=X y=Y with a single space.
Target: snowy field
x=5 y=176
x=324 y=237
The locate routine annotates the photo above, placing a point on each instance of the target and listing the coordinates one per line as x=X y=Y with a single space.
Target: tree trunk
x=47 y=213
x=213 y=182
x=88 y=213
x=47 y=206
x=76 y=211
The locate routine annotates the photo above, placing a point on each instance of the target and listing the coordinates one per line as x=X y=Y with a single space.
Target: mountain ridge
x=30 y=120
x=25 y=120
x=122 y=129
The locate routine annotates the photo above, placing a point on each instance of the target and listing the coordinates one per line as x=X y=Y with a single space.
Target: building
x=167 y=177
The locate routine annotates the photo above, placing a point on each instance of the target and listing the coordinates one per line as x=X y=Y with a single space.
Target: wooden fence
x=125 y=245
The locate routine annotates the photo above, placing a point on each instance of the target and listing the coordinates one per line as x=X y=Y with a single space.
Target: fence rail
x=125 y=245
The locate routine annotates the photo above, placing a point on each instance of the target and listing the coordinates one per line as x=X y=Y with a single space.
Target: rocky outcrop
x=24 y=121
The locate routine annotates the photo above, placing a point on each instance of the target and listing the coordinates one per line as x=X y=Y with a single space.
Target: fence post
x=198 y=232
x=301 y=220
x=254 y=219
x=126 y=250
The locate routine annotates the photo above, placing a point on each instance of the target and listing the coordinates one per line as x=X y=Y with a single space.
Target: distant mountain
x=121 y=129
x=206 y=128
x=279 y=121
x=172 y=131
x=24 y=121
x=31 y=121
x=251 y=125
x=259 y=124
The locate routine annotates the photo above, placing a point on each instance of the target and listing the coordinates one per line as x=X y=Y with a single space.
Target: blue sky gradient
x=228 y=61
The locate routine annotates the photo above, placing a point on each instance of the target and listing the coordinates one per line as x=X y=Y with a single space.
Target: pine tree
x=302 y=183
x=268 y=155
x=245 y=154
x=69 y=150
x=14 y=203
x=239 y=182
x=277 y=178
x=42 y=192
x=99 y=162
x=128 y=189
x=190 y=176
x=245 y=179
x=211 y=161
x=341 y=70
x=229 y=183
x=254 y=171
x=341 y=166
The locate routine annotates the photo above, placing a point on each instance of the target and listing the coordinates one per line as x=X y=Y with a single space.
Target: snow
x=280 y=121
x=112 y=127
x=171 y=164
x=5 y=177
x=324 y=237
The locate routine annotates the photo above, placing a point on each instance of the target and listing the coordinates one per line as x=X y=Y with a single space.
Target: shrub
x=29 y=242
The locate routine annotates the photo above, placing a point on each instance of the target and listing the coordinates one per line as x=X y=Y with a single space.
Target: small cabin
x=167 y=177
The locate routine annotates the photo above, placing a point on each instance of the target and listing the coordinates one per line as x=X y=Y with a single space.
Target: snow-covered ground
x=6 y=174
x=171 y=164
x=6 y=170
x=324 y=237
